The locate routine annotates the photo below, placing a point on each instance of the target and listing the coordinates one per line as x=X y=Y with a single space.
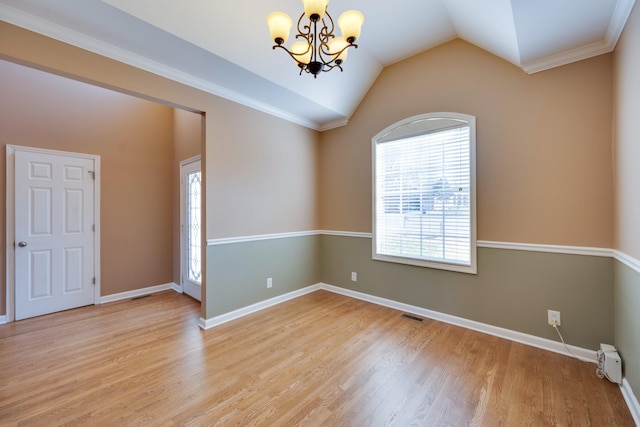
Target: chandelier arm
x=331 y=65
x=326 y=51
x=329 y=30
x=303 y=30
x=291 y=54
x=338 y=53
x=325 y=36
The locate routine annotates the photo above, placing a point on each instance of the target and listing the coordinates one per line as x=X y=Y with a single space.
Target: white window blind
x=423 y=203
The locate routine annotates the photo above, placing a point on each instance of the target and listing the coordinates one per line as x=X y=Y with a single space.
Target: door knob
x=22 y=244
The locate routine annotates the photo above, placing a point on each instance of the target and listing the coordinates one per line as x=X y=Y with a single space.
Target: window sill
x=458 y=268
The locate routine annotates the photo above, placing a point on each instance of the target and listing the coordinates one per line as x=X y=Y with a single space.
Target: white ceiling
x=223 y=47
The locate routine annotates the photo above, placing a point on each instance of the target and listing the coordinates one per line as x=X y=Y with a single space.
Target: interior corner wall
x=544 y=176
x=512 y=290
x=265 y=169
x=627 y=199
x=133 y=138
x=544 y=169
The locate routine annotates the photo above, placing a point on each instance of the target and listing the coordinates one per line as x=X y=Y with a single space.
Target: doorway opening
x=140 y=142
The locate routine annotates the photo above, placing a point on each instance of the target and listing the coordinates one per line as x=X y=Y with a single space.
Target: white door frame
x=183 y=201
x=10 y=216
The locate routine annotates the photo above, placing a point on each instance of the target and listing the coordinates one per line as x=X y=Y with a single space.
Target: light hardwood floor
x=319 y=360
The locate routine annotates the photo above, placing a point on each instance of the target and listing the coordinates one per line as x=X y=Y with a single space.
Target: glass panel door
x=191 y=227
x=194 y=209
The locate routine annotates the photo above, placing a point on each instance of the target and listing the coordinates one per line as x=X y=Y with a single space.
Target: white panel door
x=191 y=217
x=54 y=237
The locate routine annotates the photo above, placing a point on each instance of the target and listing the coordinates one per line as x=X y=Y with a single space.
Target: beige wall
x=187 y=143
x=627 y=131
x=627 y=199
x=544 y=170
x=260 y=171
x=261 y=174
x=133 y=138
x=277 y=195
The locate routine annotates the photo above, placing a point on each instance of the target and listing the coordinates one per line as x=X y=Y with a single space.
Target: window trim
x=441 y=265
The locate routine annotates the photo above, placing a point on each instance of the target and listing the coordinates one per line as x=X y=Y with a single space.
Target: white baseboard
x=531 y=340
x=631 y=400
x=176 y=287
x=241 y=312
x=138 y=292
x=3 y=319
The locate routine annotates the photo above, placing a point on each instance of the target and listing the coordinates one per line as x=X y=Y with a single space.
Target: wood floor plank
x=318 y=360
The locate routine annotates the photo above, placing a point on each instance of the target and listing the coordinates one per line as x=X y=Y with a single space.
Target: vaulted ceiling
x=223 y=46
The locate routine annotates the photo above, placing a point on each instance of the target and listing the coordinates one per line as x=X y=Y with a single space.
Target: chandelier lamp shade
x=316 y=49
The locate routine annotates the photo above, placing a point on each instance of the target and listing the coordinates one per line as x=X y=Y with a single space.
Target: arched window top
x=424 y=204
x=424 y=124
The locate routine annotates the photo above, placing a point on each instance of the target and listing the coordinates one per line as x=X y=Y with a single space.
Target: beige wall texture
x=627 y=145
x=133 y=138
x=544 y=171
x=187 y=143
x=260 y=171
x=264 y=174
x=277 y=195
x=627 y=199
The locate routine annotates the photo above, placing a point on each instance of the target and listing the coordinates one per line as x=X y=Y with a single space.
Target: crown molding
x=619 y=19
x=42 y=26
x=333 y=124
x=46 y=28
x=567 y=57
x=614 y=31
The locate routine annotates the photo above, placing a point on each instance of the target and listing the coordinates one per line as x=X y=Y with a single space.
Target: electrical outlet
x=269 y=282
x=553 y=316
x=354 y=276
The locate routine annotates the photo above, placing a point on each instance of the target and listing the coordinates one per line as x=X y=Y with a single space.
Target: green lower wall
x=627 y=321
x=598 y=297
x=513 y=289
x=237 y=273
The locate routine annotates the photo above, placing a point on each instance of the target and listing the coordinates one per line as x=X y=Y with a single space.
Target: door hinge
x=94 y=280
x=93 y=228
x=93 y=175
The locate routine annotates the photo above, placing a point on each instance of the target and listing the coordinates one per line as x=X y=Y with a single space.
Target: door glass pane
x=194 y=187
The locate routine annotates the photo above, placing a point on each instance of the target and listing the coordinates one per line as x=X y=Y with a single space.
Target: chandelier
x=318 y=49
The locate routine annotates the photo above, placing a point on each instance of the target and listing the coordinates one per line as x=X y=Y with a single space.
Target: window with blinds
x=424 y=192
